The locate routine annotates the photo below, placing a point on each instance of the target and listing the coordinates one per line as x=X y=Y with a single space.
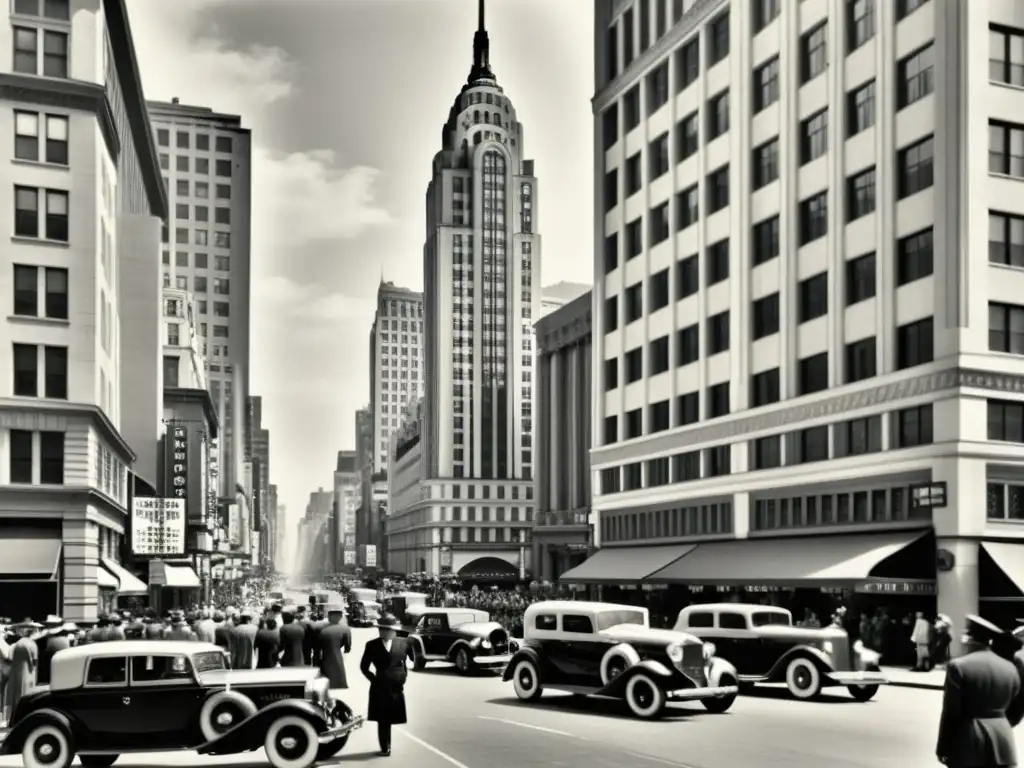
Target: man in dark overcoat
x=975 y=729
x=383 y=664
x=293 y=637
x=267 y=644
x=245 y=642
x=334 y=641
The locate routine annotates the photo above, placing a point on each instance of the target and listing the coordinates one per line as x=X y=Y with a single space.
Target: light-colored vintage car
x=603 y=649
x=765 y=647
x=131 y=696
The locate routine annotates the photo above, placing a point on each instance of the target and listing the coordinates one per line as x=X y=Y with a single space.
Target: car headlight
x=475 y=643
x=675 y=653
x=827 y=646
x=709 y=651
x=485 y=644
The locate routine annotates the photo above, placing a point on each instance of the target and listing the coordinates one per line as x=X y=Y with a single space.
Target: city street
x=477 y=722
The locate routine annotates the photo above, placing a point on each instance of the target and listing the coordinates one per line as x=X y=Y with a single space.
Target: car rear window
x=578 y=624
x=773 y=618
x=701 y=619
x=607 y=619
x=107 y=671
x=545 y=621
x=732 y=621
x=151 y=669
x=208 y=661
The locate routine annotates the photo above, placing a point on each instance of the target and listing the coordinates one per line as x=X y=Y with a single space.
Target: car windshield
x=458 y=619
x=208 y=661
x=607 y=619
x=771 y=618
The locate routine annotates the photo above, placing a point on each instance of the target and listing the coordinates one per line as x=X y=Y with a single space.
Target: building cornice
x=201 y=396
x=61 y=496
x=99 y=418
x=567 y=325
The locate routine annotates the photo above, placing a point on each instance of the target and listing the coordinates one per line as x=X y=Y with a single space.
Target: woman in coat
x=24 y=663
x=383 y=664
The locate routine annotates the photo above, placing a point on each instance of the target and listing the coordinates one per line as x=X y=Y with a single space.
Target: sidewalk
x=904 y=678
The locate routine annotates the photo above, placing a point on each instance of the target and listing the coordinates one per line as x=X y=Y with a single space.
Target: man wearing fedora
x=44 y=642
x=383 y=664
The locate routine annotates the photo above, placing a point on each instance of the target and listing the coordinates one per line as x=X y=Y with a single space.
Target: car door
x=581 y=650
x=165 y=700
x=736 y=642
x=435 y=634
x=102 y=704
x=545 y=638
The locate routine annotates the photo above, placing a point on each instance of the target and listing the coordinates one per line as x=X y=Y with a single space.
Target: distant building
x=560 y=294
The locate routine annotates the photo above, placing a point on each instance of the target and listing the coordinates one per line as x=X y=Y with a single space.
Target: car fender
x=418 y=642
x=818 y=657
x=15 y=740
x=248 y=735
x=523 y=653
x=717 y=668
x=454 y=649
x=617 y=687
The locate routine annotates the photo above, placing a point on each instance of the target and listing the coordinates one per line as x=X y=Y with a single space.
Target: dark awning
x=1010 y=559
x=624 y=565
x=488 y=567
x=837 y=561
x=25 y=557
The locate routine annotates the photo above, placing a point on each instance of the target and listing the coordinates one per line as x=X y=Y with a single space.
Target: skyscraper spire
x=481 y=50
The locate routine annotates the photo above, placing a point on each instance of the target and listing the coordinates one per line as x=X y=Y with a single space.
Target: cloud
x=284 y=299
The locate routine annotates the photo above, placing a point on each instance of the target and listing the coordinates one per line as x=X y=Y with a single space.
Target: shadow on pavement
x=449 y=671
x=588 y=705
x=355 y=757
x=781 y=693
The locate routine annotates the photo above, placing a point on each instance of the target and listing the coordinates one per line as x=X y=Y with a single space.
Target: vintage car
x=363 y=608
x=464 y=636
x=603 y=649
x=399 y=603
x=109 y=699
x=765 y=647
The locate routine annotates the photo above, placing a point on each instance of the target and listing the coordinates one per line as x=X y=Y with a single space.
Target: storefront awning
x=839 y=561
x=1010 y=559
x=174 y=576
x=624 y=565
x=24 y=557
x=127 y=582
x=105 y=579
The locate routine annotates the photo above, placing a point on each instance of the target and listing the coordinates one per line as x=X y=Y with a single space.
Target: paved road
x=477 y=722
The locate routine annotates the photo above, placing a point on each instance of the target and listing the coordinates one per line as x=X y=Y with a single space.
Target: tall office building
x=206 y=160
x=82 y=204
x=792 y=291
x=347 y=495
x=396 y=361
x=272 y=533
x=479 y=261
x=259 y=452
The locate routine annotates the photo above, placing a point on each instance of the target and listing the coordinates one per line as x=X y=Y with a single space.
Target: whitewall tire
x=616 y=661
x=803 y=679
x=645 y=698
x=222 y=712
x=526 y=681
x=291 y=742
x=47 y=746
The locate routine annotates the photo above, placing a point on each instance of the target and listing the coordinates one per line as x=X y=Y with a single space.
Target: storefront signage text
x=179 y=462
x=158 y=527
x=896 y=588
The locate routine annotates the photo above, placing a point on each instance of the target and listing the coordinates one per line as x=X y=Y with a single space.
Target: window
x=657 y=88
x=687 y=63
x=29 y=221
x=813 y=53
x=766 y=85
x=161 y=669
x=56 y=366
x=634 y=238
x=861 y=360
x=765 y=388
x=687 y=137
x=718 y=115
x=765 y=241
x=611 y=48
x=59 y=10
x=634 y=365
x=51 y=458
x=915 y=168
x=634 y=296
x=912 y=427
x=634 y=428
x=181 y=211
x=718 y=400
x=718 y=460
x=107 y=671
x=657 y=156
x=1006 y=421
x=580 y=625
x=718 y=39
x=21 y=456
x=181 y=163
x=645 y=25
x=631 y=102
x=766 y=316
x=687 y=207
x=813 y=298
x=765 y=12
x=223 y=168
x=611 y=430
x=1006 y=55
x=634 y=174
x=53 y=61
x=657 y=291
x=702 y=620
x=611 y=314
x=860 y=195
x=611 y=189
x=202 y=166
x=1006 y=149
x=27 y=126
x=611 y=252
x=766 y=163
x=860 y=23
x=718 y=333
x=860 y=279
x=26 y=370
x=611 y=482
x=687 y=277
x=767 y=452
x=814 y=137
x=860 y=109
x=171 y=370
x=915 y=344
x=657 y=357
x=203 y=141
x=688 y=345
x=223 y=144
x=813 y=375
x=658 y=223
x=813 y=218
x=906 y=7
x=221 y=286
x=222 y=215
x=203 y=190
x=688 y=409
x=915 y=77
x=1006 y=328
x=718 y=262
x=810 y=445
x=611 y=374
x=858 y=437
x=55 y=292
x=914 y=258
x=610 y=126
x=718 y=189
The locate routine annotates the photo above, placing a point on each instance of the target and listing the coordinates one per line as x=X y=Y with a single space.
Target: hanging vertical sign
x=179 y=462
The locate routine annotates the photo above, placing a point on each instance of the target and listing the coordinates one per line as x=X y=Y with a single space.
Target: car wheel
x=863 y=692
x=327 y=751
x=719 y=704
x=222 y=712
x=803 y=679
x=645 y=698
x=47 y=746
x=462 y=662
x=291 y=742
x=419 y=663
x=97 y=761
x=526 y=681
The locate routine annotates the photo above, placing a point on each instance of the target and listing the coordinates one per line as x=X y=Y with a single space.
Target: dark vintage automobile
x=363 y=609
x=464 y=636
x=603 y=649
x=765 y=647
x=109 y=699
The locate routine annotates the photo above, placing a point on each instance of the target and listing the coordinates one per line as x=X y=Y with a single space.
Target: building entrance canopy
x=175 y=576
x=812 y=561
x=624 y=565
x=127 y=582
x=1010 y=559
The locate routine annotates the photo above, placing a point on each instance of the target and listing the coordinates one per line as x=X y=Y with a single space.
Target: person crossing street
x=383 y=664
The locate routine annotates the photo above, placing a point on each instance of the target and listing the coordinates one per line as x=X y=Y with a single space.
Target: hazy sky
x=346 y=99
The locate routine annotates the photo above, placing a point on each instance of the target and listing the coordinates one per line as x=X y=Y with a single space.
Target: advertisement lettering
x=158 y=527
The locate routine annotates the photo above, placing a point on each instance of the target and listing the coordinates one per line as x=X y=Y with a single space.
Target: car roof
x=745 y=608
x=579 y=606
x=447 y=610
x=67 y=670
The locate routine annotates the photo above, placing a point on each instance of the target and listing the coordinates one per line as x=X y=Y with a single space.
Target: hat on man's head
x=388 y=621
x=27 y=623
x=52 y=621
x=981 y=631
x=334 y=607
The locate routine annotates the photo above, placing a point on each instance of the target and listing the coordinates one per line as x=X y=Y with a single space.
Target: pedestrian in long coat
x=24 y=664
x=206 y=629
x=245 y=642
x=293 y=637
x=333 y=642
x=267 y=645
x=383 y=664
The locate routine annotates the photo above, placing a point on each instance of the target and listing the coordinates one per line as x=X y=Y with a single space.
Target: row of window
x=199 y=237
x=201 y=166
x=199 y=190
x=26 y=457
x=201 y=213
x=877 y=505
x=674 y=522
x=183 y=140
x=197 y=260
